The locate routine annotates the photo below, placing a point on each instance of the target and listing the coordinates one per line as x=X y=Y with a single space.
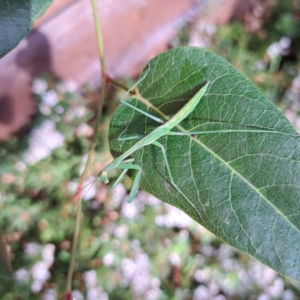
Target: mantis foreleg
x=143 y=112
x=137 y=179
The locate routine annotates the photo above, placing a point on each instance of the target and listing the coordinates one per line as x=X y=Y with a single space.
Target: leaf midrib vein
x=146 y=101
x=246 y=181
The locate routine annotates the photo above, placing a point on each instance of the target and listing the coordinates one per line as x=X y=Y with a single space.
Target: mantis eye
x=103 y=177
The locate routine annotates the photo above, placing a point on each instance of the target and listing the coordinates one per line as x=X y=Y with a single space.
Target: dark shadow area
x=6 y=110
x=36 y=57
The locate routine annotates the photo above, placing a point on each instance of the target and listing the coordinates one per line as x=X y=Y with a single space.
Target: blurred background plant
x=146 y=249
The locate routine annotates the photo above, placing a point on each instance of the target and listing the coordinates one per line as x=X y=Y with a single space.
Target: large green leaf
x=16 y=20
x=245 y=185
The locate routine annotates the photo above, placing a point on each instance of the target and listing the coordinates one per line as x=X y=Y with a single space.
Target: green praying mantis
x=124 y=163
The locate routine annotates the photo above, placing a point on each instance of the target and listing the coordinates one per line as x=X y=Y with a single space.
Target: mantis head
x=103 y=177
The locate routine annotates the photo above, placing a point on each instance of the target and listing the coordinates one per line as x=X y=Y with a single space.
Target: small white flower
x=108 y=259
x=90 y=191
x=128 y=268
x=276 y=289
x=264 y=297
x=202 y=293
x=36 y=286
x=288 y=295
x=280 y=48
x=50 y=294
x=67 y=86
x=20 y=166
x=118 y=194
x=44 y=109
x=129 y=210
x=42 y=141
x=78 y=112
x=77 y=295
x=48 y=254
x=90 y=278
x=49 y=98
x=175 y=259
x=22 y=275
x=39 y=86
x=211 y=29
x=84 y=129
x=141 y=278
x=274 y=50
x=40 y=271
x=285 y=42
x=96 y=293
x=121 y=231
x=173 y=218
x=59 y=109
x=200 y=276
x=184 y=234
x=32 y=249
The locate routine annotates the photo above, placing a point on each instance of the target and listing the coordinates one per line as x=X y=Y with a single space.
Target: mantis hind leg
x=172 y=180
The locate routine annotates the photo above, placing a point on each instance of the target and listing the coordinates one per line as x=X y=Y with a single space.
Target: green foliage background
x=175 y=258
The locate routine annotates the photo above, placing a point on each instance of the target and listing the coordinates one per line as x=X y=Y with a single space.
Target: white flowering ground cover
x=142 y=250
x=146 y=249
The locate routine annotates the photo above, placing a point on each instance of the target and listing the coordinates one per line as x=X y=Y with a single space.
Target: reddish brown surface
x=63 y=43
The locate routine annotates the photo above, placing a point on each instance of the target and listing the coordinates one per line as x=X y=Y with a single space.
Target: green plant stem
x=77 y=197
x=117 y=84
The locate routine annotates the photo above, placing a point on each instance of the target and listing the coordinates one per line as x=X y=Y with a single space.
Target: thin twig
x=77 y=198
